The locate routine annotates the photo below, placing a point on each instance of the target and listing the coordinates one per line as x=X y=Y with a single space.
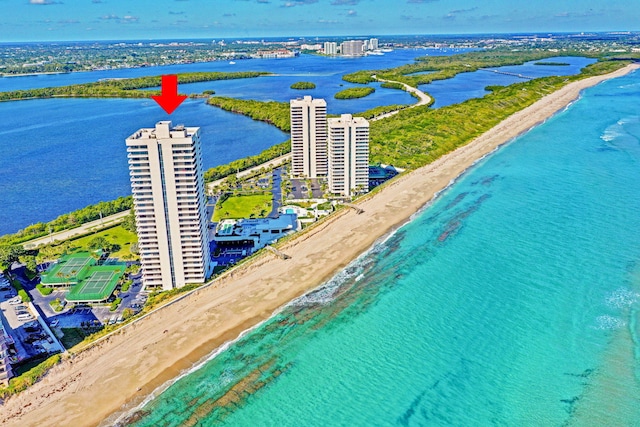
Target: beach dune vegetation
x=418 y=136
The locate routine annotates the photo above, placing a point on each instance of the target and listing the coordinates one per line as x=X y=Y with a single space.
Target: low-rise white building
x=260 y=232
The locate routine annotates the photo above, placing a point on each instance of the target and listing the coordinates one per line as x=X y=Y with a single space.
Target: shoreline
x=129 y=365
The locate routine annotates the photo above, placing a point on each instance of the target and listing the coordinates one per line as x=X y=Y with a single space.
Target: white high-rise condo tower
x=330 y=48
x=165 y=166
x=348 y=155
x=308 y=137
x=352 y=48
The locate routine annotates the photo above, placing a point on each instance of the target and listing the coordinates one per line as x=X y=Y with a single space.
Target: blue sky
x=35 y=20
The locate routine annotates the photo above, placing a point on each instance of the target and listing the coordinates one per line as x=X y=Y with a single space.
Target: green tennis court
x=98 y=285
x=70 y=269
x=74 y=265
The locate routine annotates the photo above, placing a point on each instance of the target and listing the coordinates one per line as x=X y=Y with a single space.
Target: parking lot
x=78 y=316
x=29 y=338
x=301 y=188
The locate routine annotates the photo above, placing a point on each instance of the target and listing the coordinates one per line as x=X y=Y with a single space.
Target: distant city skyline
x=55 y=20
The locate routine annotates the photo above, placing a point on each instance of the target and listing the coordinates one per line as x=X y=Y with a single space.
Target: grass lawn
x=117 y=235
x=73 y=336
x=258 y=205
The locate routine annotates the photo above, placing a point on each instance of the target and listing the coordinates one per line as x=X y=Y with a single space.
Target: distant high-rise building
x=351 y=48
x=348 y=155
x=165 y=167
x=373 y=44
x=330 y=48
x=308 y=137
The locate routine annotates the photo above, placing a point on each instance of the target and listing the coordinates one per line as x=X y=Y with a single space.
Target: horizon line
x=585 y=33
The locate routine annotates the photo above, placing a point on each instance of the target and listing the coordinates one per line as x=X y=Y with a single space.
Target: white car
x=15 y=301
x=25 y=316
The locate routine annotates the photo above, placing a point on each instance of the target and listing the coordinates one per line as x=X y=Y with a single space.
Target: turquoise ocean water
x=512 y=301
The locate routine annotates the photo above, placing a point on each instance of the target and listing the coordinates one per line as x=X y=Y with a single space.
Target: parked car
x=32 y=327
x=19 y=307
x=15 y=301
x=25 y=316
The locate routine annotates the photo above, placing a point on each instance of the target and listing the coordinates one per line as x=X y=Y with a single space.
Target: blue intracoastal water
x=58 y=155
x=511 y=301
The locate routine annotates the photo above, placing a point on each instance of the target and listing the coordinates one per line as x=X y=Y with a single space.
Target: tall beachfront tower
x=348 y=155
x=165 y=166
x=308 y=137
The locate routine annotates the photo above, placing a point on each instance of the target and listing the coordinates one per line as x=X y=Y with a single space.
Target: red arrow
x=169 y=100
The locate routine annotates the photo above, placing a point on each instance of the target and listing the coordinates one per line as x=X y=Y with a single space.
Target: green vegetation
x=44 y=290
x=222 y=171
x=209 y=92
x=116 y=239
x=378 y=111
x=56 y=305
x=27 y=379
x=73 y=336
x=272 y=112
x=354 y=92
x=68 y=220
x=303 y=85
x=128 y=313
x=160 y=297
x=555 y=64
x=24 y=296
x=114 y=305
x=417 y=136
x=250 y=206
x=445 y=67
x=121 y=88
x=392 y=85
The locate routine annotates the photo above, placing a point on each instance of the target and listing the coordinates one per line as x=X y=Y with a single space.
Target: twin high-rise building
x=165 y=167
x=330 y=48
x=308 y=137
x=335 y=148
x=348 y=155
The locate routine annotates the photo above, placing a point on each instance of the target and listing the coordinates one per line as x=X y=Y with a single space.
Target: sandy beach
x=126 y=367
